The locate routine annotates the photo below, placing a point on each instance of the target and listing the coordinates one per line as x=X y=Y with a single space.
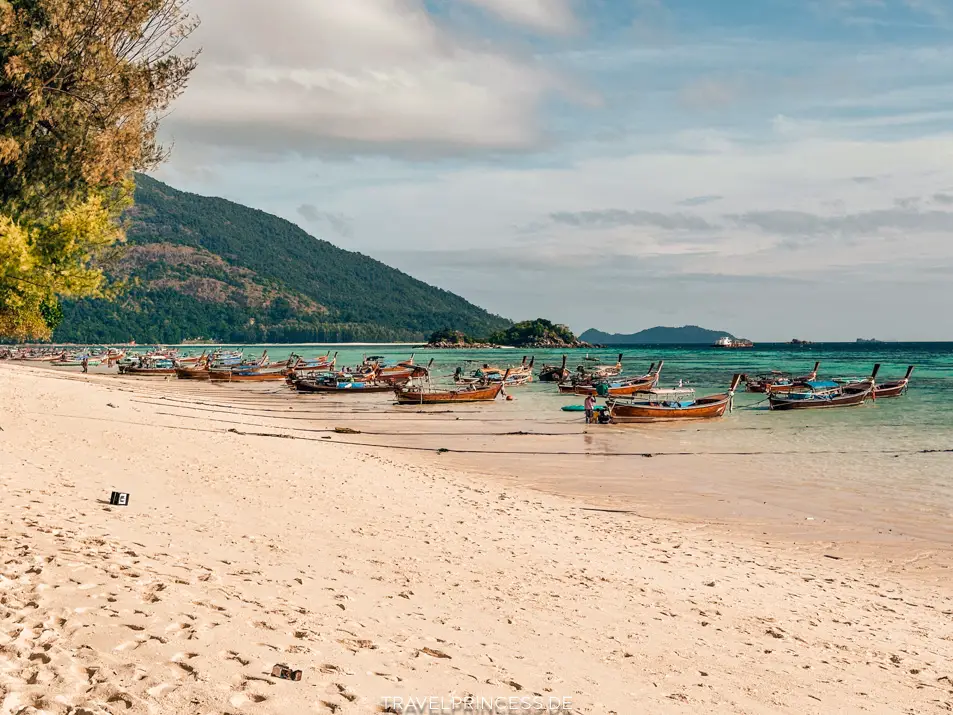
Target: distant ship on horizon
x=732 y=343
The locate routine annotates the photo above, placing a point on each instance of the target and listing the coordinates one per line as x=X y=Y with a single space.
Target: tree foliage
x=40 y=261
x=534 y=332
x=448 y=335
x=83 y=84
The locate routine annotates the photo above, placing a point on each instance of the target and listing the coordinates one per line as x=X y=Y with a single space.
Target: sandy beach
x=400 y=574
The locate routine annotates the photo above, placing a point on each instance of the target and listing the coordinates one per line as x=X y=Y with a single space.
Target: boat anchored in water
x=822 y=394
x=423 y=392
x=778 y=382
x=658 y=405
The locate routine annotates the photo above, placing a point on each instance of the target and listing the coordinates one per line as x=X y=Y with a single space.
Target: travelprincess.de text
x=433 y=705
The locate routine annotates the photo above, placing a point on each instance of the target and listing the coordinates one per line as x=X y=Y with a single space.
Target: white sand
x=379 y=577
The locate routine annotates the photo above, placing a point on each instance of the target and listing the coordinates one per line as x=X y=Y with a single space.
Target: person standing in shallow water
x=590 y=405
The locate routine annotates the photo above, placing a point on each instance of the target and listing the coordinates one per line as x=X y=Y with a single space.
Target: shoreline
x=359 y=564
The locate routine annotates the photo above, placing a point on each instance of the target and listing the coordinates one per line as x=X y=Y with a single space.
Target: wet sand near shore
x=797 y=485
x=385 y=572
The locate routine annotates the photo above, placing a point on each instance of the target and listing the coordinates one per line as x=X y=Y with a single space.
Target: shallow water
x=883 y=471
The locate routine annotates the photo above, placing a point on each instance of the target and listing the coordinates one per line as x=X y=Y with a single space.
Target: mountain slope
x=206 y=267
x=688 y=334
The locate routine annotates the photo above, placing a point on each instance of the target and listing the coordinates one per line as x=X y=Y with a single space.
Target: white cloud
x=546 y=15
x=381 y=75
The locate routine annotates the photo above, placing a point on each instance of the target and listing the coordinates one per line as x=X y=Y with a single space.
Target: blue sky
x=772 y=168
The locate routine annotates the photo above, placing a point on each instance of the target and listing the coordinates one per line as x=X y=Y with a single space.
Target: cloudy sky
x=776 y=168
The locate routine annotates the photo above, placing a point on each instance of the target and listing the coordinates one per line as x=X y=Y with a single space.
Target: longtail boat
x=659 y=405
x=428 y=394
x=402 y=372
x=245 y=374
x=893 y=388
x=825 y=394
x=552 y=373
x=192 y=372
x=779 y=382
x=75 y=361
x=334 y=385
x=614 y=387
x=323 y=363
x=600 y=371
x=512 y=376
x=148 y=366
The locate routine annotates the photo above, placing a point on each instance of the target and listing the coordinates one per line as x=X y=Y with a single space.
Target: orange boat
x=402 y=372
x=428 y=395
x=618 y=387
x=257 y=375
x=470 y=393
x=196 y=372
x=676 y=404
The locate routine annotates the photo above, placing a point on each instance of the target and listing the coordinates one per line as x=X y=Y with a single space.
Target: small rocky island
x=539 y=333
x=448 y=339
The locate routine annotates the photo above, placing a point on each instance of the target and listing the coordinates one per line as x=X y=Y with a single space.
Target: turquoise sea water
x=929 y=402
x=881 y=471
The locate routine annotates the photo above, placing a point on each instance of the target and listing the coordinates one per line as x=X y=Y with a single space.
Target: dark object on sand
x=119 y=499
x=285 y=672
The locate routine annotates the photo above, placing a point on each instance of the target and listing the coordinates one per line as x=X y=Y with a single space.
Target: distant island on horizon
x=685 y=335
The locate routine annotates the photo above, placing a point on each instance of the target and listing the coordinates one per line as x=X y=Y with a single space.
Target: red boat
x=617 y=387
x=402 y=372
x=778 y=381
x=894 y=388
x=826 y=394
x=662 y=405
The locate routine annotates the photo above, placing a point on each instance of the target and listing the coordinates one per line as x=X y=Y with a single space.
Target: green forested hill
x=200 y=267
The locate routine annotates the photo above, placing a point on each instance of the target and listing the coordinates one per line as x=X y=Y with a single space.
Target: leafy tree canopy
x=539 y=332
x=82 y=87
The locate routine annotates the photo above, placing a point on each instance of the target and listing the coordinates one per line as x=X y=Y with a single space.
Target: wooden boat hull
x=704 y=408
x=419 y=397
x=619 y=391
x=851 y=399
x=894 y=388
x=149 y=371
x=395 y=377
x=228 y=376
x=779 y=389
x=304 y=369
x=889 y=390
x=191 y=373
x=351 y=388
